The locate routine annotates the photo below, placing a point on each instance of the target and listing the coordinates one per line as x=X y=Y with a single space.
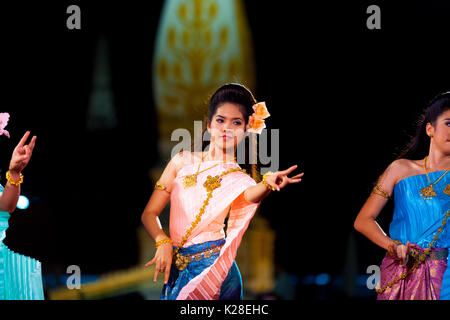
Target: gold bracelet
x=391 y=248
x=11 y=181
x=391 y=251
x=163 y=241
x=264 y=180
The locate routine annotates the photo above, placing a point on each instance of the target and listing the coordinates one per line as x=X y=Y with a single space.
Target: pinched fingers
x=284 y=182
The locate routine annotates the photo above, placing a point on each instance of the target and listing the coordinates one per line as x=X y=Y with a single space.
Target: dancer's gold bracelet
x=162 y=242
x=11 y=181
x=265 y=182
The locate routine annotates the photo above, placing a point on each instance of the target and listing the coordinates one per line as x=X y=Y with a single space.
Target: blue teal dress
x=20 y=276
x=416 y=220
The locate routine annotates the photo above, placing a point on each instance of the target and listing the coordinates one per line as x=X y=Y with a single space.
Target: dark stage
x=345 y=99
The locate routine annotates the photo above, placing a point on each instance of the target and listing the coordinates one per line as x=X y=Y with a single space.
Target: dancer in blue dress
x=415 y=266
x=20 y=276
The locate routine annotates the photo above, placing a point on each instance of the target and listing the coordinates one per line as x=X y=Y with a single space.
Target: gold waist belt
x=182 y=261
x=433 y=255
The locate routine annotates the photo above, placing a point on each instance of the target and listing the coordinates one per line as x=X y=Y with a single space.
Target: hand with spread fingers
x=22 y=154
x=279 y=179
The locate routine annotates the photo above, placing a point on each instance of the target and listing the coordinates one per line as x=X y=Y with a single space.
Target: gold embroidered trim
x=447 y=190
x=184 y=260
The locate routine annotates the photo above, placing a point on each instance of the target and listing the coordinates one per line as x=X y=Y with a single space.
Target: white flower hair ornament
x=256 y=120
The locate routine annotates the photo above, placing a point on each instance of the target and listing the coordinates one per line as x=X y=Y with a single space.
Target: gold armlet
x=160 y=186
x=379 y=191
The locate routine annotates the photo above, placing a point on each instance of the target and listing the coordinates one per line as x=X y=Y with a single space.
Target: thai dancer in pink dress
x=415 y=266
x=204 y=188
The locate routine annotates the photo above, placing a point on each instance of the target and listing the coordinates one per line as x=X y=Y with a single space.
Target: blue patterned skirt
x=231 y=288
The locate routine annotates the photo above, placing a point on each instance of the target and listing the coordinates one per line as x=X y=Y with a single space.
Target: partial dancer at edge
x=415 y=266
x=20 y=276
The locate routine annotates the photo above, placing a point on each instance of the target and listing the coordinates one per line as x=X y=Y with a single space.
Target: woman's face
x=441 y=132
x=227 y=126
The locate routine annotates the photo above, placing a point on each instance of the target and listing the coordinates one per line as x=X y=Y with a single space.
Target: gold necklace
x=190 y=180
x=428 y=192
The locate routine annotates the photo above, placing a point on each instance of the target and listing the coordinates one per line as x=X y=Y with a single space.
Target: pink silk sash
x=185 y=205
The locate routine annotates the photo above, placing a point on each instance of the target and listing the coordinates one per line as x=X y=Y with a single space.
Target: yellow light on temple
x=200 y=45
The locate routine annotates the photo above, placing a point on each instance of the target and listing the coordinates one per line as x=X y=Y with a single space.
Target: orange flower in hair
x=261 y=110
x=256 y=121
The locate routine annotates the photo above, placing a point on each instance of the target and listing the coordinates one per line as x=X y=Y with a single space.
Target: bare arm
x=365 y=222
x=158 y=200
x=256 y=193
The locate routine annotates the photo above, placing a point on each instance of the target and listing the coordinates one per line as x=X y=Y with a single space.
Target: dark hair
x=241 y=96
x=419 y=145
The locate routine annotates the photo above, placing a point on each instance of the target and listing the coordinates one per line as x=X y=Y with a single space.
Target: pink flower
x=4 y=117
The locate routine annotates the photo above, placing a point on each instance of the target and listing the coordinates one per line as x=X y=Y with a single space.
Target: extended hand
x=279 y=179
x=22 y=154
